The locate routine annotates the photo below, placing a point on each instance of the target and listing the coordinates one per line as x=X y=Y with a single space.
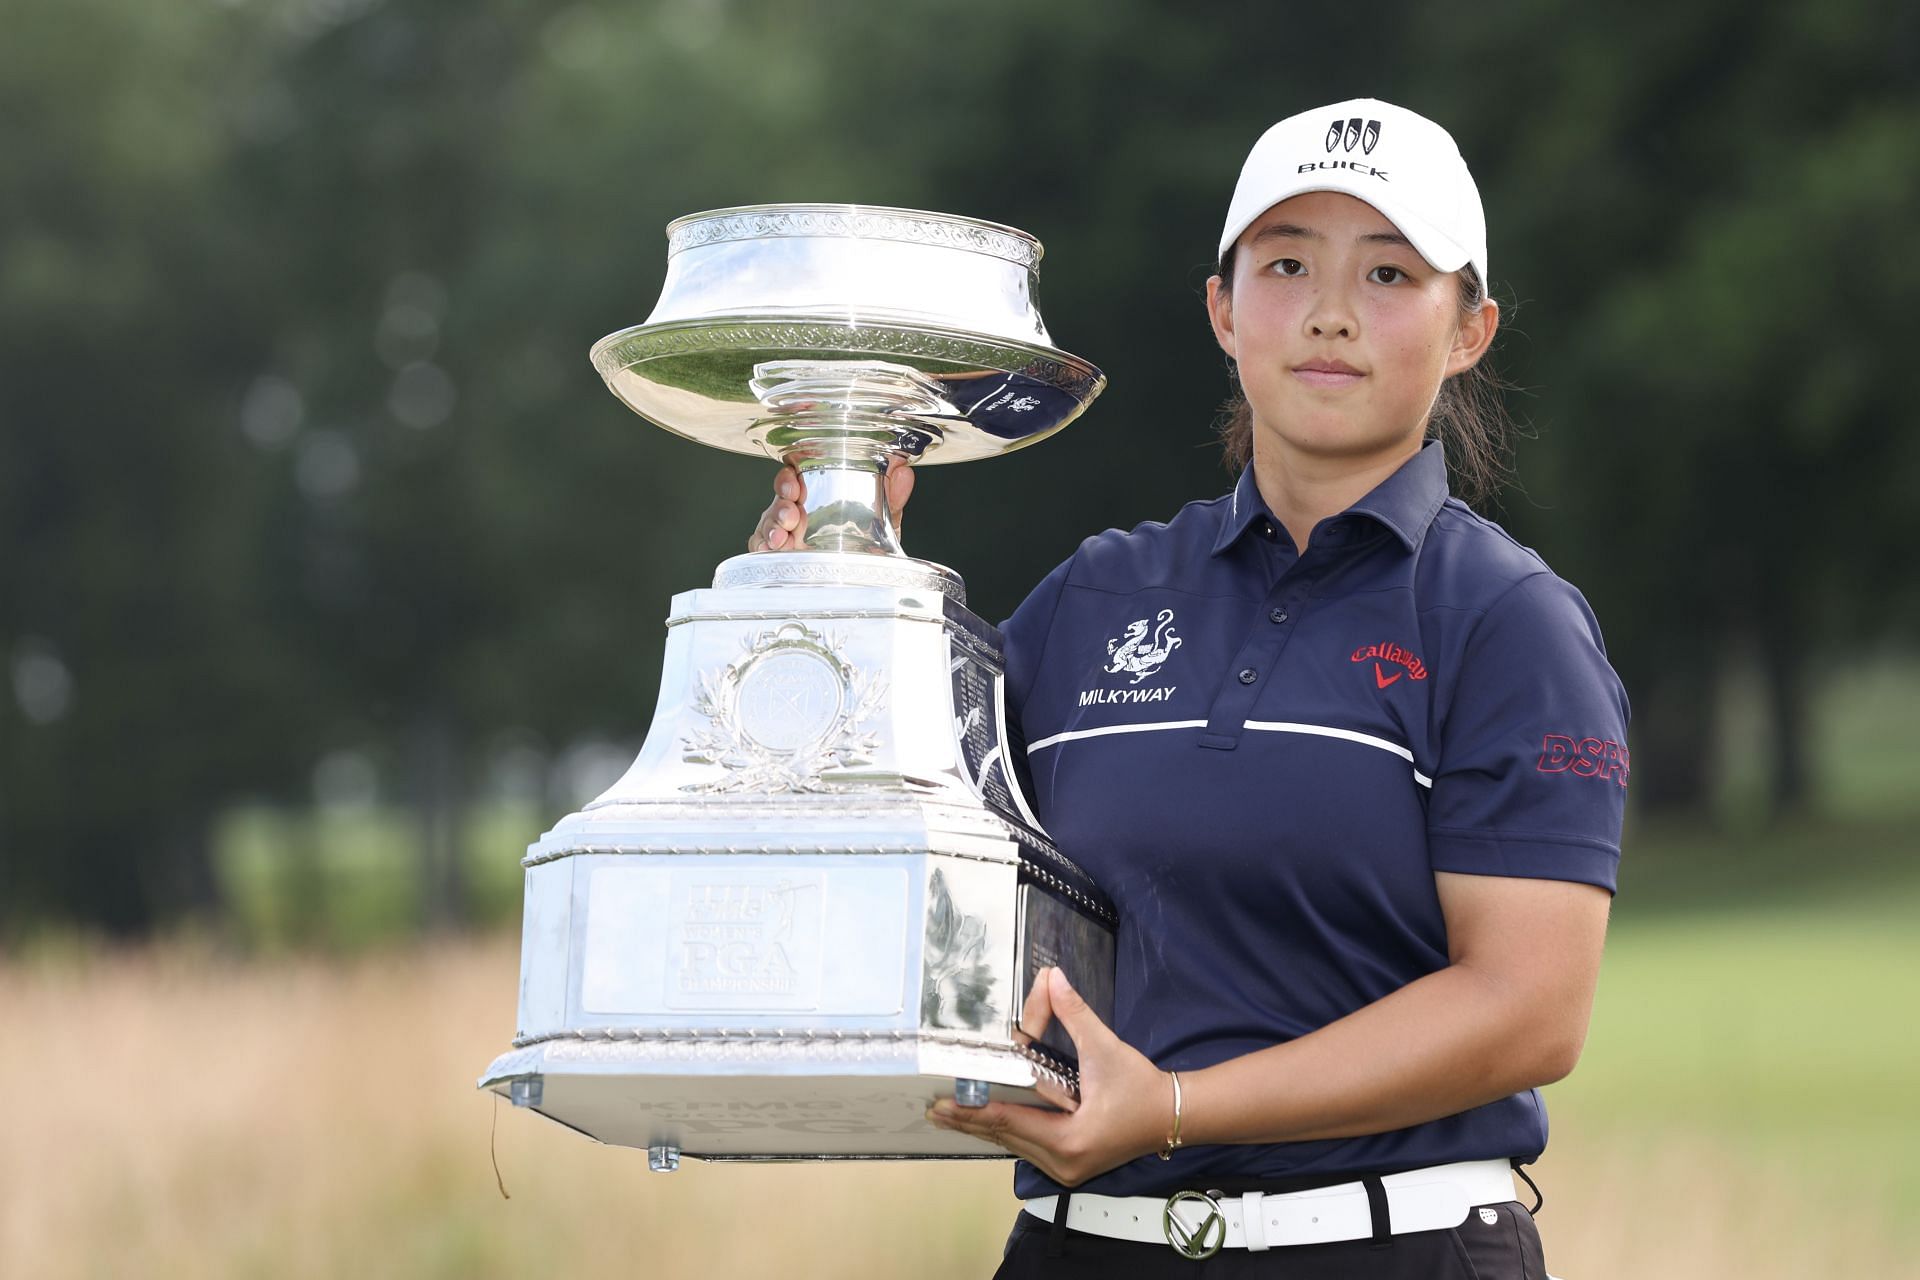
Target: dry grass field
x=173 y=1113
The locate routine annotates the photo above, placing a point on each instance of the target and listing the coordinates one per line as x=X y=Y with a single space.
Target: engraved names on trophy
x=1055 y=934
x=976 y=704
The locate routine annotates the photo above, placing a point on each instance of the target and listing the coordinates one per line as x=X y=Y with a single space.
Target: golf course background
x=330 y=574
x=1744 y=1109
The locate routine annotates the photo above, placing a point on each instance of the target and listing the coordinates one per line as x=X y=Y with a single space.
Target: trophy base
x=818 y=899
x=821 y=1098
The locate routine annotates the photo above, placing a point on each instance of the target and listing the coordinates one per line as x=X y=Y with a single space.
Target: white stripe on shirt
x=1262 y=726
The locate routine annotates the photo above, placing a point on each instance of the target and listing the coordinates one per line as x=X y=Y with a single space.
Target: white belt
x=1429 y=1199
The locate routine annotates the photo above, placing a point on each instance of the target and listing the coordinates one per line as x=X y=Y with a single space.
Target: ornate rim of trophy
x=816 y=900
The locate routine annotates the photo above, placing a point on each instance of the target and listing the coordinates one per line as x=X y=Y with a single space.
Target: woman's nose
x=1331 y=315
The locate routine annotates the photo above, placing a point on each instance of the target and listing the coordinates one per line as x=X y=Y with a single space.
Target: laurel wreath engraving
x=751 y=764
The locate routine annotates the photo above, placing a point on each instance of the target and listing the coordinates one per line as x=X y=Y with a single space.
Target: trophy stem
x=846 y=502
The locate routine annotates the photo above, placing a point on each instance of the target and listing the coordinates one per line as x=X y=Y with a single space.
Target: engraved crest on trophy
x=785 y=716
x=816 y=899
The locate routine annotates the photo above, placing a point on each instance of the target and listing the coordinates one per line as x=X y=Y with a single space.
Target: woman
x=1363 y=835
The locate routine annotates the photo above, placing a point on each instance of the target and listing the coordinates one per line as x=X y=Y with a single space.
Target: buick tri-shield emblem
x=1353 y=133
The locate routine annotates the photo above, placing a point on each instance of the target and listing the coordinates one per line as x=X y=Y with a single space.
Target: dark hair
x=1469 y=415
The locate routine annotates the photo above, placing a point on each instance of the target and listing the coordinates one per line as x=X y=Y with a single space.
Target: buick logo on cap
x=1353 y=133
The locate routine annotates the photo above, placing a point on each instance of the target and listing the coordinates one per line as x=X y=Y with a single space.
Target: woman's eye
x=1290 y=267
x=1387 y=275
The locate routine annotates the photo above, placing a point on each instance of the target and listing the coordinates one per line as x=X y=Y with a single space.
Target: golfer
x=1349 y=760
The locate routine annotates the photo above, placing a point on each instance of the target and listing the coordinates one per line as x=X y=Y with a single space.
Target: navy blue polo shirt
x=1264 y=757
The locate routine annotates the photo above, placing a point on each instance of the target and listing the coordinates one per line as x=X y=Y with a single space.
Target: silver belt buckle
x=1198 y=1242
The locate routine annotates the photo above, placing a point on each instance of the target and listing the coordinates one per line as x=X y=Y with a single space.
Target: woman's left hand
x=1125 y=1108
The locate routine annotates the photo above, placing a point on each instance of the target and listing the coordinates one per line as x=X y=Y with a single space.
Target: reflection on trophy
x=818 y=898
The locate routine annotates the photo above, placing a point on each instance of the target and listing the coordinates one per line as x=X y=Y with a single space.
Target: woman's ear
x=1473 y=336
x=1220 y=313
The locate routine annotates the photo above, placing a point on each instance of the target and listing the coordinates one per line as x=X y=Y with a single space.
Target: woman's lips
x=1327 y=375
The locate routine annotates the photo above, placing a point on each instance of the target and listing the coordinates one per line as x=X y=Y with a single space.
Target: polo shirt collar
x=1405 y=502
x=1245 y=510
x=1408 y=500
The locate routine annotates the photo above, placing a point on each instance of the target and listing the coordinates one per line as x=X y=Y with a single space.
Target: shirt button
x=1278 y=615
x=1267 y=530
x=1248 y=675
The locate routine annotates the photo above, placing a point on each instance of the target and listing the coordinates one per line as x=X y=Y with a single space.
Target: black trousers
x=1507 y=1248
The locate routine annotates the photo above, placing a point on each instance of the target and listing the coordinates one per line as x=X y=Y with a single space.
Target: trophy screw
x=971 y=1093
x=526 y=1091
x=662 y=1158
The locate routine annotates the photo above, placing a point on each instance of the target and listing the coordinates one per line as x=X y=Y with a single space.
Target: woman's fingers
x=783 y=523
x=1056 y=1094
x=1035 y=1016
x=899 y=489
x=1037 y=1012
x=1027 y=1132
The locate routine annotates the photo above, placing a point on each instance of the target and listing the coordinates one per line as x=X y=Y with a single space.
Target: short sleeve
x=1531 y=778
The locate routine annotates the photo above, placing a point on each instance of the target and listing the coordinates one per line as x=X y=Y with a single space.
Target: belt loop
x=1253 y=1225
x=1057 y=1233
x=1378 y=1212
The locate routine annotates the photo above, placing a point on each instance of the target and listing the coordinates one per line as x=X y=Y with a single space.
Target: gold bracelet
x=1173 y=1139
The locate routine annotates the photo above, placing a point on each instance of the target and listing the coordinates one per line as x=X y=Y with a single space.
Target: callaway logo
x=1394 y=654
x=1353 y=133
x=1134 y=655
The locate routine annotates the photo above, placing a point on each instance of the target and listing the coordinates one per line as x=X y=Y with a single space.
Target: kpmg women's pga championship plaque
x=817 y=899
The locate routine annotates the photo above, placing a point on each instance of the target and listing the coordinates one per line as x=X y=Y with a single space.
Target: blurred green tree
x=144 y=687
x=1705 y=208
x=301 y=453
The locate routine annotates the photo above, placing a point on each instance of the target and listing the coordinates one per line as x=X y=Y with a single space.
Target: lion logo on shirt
x=1134 y=655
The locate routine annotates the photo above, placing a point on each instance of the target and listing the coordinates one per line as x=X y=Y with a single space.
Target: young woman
x=1363 y=834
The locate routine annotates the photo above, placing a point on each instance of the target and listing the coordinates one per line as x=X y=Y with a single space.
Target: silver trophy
x=818 y=898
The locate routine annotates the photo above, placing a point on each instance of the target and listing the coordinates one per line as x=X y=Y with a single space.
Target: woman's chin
x=1338 y=440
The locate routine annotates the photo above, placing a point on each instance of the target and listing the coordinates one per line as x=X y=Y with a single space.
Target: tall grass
x=1745 y=1108
x=172 y=1113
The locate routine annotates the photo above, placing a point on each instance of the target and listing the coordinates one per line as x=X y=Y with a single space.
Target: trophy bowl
x=843 y=339
x=818 y=897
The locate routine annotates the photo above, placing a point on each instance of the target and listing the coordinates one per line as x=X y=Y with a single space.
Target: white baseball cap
x=1402 y=164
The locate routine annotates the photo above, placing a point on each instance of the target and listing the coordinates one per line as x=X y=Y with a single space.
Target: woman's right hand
x=783 y=525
